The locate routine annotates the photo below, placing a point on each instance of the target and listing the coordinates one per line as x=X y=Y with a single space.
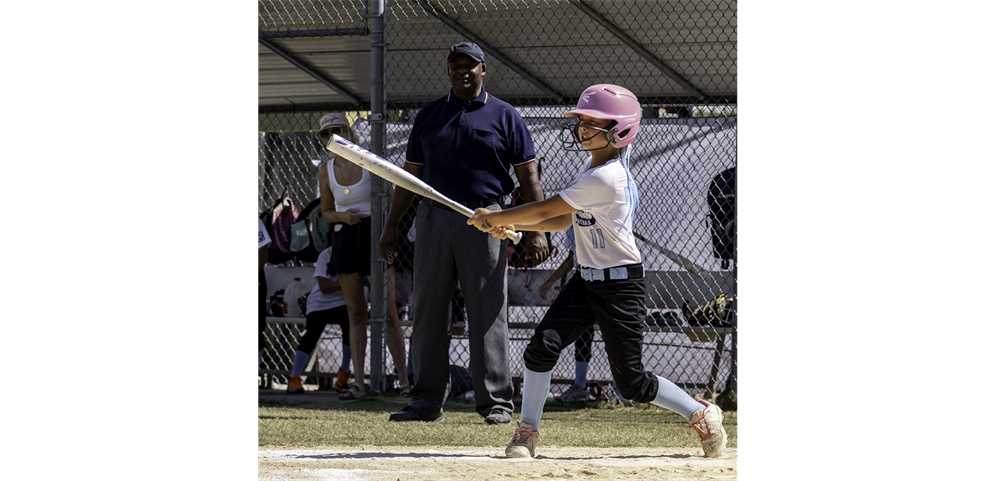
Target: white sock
x=535 y=388
x=669 y=396
x=300 y=359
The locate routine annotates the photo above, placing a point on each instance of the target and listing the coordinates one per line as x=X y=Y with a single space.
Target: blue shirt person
x=466 y=145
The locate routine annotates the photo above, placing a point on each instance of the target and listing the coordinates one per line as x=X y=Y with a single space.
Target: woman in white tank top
x=345 y=190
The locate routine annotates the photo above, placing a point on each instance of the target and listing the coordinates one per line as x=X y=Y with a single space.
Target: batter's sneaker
x=574 y=394
x=342 y=381
x=523 y=445
x=708 y=423
x=295 y=386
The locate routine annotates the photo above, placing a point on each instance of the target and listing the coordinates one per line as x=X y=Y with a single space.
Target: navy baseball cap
x=467 y=48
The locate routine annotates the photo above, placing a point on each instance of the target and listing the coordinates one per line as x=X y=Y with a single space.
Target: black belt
x=632 y=271
x=473 y=204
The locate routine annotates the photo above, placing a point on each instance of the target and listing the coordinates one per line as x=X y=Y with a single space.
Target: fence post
x=378 y=120
x=734 y=370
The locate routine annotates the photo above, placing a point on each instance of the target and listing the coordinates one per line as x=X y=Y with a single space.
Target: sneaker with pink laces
x=708 y=423
x=523 y=445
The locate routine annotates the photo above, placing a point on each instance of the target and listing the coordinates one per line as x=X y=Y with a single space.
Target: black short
x=351 y=249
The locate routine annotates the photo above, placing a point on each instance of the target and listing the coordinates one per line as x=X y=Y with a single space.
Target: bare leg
x=395 y=335
x=355 y=301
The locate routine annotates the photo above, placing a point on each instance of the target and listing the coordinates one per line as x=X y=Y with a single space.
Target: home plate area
x=424 y=463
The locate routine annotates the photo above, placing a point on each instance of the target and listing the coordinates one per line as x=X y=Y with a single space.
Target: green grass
x=313 y=421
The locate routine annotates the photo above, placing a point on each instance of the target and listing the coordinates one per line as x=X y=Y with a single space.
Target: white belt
x=634 y=271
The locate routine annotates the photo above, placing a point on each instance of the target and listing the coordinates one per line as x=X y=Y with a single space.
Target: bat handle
x=514 y=236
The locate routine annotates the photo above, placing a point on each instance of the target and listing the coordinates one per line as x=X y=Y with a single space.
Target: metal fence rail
x=540 y=57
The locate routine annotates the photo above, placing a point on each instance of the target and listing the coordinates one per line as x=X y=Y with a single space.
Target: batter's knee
x=640 y=388
x=539 y=357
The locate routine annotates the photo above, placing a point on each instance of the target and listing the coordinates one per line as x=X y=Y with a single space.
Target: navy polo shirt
x=467 y=149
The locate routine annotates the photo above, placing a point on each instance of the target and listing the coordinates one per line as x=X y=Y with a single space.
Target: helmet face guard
x=611 y=102
x=572 y=141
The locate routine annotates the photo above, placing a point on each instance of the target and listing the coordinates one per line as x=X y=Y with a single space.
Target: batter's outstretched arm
x=552 y=214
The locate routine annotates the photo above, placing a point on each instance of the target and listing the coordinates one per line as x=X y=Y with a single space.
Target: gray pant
x=447 y=250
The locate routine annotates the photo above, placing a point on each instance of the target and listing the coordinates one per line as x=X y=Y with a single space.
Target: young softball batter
x=608 y=289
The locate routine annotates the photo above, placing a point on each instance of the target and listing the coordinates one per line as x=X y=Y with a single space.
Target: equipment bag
x=596 y=391
x=284 y=216
x=300 y=234
x=319 y=228
x=278 y=220
x=722 y=214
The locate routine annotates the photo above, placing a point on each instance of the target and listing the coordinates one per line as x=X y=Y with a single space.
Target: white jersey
x=605 y=198
x=263 y=235
x=317 y=300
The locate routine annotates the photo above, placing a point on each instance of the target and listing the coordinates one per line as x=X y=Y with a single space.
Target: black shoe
x=498 y=416
x=407 y=413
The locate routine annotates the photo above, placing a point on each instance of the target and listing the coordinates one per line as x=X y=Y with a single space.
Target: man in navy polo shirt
x=465 y=145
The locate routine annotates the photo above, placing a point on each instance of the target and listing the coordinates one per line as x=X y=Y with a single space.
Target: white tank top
x=356 y=196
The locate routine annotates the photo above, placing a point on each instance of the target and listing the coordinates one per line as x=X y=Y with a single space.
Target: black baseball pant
x=618 y=307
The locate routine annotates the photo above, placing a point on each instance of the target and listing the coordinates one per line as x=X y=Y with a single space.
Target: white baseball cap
x=334 y=119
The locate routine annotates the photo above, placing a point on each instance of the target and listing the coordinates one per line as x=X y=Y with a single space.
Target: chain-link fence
x=678 y=57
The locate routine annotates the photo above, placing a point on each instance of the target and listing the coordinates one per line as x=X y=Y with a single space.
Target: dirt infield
x=371 y=463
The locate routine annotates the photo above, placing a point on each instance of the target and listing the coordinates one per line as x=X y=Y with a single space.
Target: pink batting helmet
x=607 y=101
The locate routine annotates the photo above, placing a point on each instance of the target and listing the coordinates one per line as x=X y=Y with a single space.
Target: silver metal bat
x=400 y=177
